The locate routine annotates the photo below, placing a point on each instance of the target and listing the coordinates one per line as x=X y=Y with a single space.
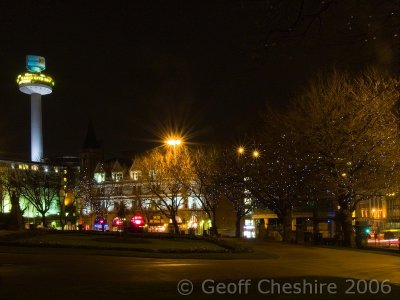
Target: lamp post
x=240 y=150
x=174 y=142
x=256 y=154
x=174 y=169
x=246 y=167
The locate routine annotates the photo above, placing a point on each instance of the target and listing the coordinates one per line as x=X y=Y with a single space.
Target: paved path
x=36 y=273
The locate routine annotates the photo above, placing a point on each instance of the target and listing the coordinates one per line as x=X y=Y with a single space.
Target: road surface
x=83 y=276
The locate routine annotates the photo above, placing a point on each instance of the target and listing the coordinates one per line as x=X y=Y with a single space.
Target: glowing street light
x=174 y=142
x=240 y=150
x=256 y=154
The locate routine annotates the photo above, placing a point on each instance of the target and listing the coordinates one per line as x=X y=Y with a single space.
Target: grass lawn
x=128 y=243
x=157 y=246
x=113 y=241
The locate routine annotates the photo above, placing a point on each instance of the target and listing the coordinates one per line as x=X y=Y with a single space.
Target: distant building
x=380 y=213
x=116 y=191
x=64 y=169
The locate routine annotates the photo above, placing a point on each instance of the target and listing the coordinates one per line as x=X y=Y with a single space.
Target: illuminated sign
x=137 y=221
x=32 y=78
x=100 y=220
x=35 y=64
x=118 y=222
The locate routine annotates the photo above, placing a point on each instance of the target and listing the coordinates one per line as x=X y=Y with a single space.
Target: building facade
x=116 y=191
x=53 y=183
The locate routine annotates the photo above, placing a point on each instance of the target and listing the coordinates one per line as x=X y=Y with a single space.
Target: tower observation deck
x=36 y=84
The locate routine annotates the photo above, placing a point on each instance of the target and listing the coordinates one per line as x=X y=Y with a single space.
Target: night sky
x=206 y=68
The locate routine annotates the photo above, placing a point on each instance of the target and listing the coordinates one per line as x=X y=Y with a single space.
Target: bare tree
x=207 y=183
x=166 y=175
x=233 y=175
x=8 y=186
x=85 y=195
x=2 y=191
x=278 y=178
x=60 y=200
x=292 y=18
x=350 y=128
x=144 y=202
x=104 y=200
x=120 y=208
x=41 y=188
x=66 y=203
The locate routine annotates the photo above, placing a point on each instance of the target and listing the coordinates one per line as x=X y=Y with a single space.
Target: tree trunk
x=44 y=220
x=238 y=226
x=16 y=212
x=62 y=218
x=262 y=231
x=214 y=225
x=62 y=223
x=347 y=228
x=287 y=225
x=176 y=226
x=317 y=236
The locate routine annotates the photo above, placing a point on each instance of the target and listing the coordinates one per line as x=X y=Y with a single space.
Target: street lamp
x=240 y=150
x=256 y=153
x=174 y=142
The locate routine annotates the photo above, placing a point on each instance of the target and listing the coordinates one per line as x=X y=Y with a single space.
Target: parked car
x=137 y=223
x=118 y=224
x=100 y=224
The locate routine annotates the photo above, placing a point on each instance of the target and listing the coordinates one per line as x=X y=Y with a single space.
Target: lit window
x=99 y=177
x=117 y=176
x=248 y=222
x=249 y=229
x=135 y=175
x=247 y=201
x=249 y=234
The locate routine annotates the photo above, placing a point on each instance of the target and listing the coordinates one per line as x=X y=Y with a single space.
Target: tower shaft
x=36 y=84
x=36 y=128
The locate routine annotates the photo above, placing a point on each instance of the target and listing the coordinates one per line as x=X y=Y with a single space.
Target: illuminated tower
x=36 y=84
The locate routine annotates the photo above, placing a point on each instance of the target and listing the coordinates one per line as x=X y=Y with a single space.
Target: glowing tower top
x=36 y=84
